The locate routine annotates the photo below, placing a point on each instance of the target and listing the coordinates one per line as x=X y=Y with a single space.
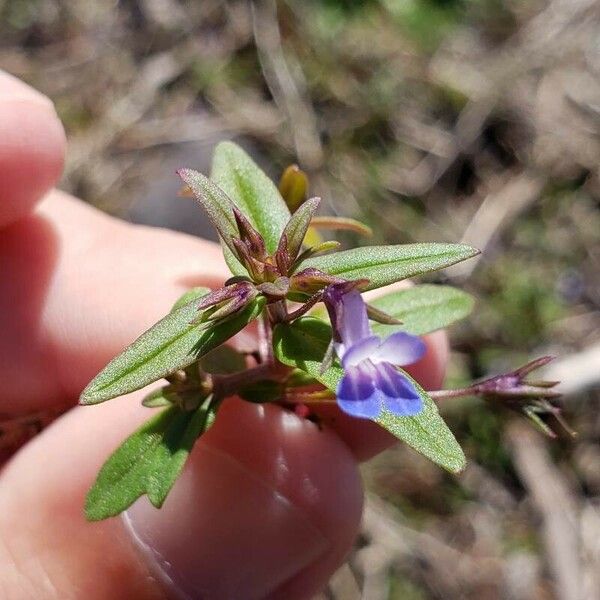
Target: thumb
x=267 y=507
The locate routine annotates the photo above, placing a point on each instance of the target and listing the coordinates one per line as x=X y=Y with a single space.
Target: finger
x=32 y=147
x=268 y=506
x=77 y=287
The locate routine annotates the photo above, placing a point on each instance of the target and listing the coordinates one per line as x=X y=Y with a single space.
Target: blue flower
x=371 y=381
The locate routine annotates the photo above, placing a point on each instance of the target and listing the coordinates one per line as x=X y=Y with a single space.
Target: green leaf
x=192 y=294
x=341 y=224
x=299 y=378
x=216 y=203
x=235 y=266
x=262 y=391
x=297 y=226
x=303 y=343
x=423 y=309
x=159 y=398
x=427 y=433
x=383 y=265
x=172 y=344
x=148 y=462
x=223 y=360
x=186 y=397
x=252 y=191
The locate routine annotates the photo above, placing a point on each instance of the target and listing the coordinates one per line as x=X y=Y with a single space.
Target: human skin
x=269 y=504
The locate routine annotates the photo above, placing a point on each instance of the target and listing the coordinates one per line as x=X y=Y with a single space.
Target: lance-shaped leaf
x=223 y=360
x=423 y=309
x=383 y=265
x=148 y=462
x=215 y=202
x=380 y=316
x=251 y=190
x=303 y=344
x=172 y=344
x=341 y=224
x=161 y=397
x=426 y=433
x=294 y=232
x=192 y=294
x=320 y=248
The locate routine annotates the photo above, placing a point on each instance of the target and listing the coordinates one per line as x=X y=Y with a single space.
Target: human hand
x=269 y=504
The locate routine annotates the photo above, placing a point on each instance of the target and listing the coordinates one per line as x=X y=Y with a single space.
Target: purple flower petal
x=363 y=350
x=354 y=324
x=404 y=407
x=401 y=397
x=400 y=349
x=357 y=395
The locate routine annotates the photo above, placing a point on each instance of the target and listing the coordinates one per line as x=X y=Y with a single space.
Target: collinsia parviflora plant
x=350 y=352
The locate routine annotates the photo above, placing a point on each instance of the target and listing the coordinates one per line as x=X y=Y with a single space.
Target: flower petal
x=400 y=348
x=359 y=352
x=357 y=395
x=354 y=323
x=401 y=397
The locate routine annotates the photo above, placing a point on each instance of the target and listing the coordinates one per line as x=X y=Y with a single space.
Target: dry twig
x=288 y=89
x=556 y=505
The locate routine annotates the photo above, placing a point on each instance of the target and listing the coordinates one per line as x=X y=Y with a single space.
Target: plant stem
x=228 y=385
x=308 y=398
x=277 y=311
x=305 y=307
x=265 y=338
x=472 y=390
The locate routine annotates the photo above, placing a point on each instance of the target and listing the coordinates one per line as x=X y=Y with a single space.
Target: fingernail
x=224 y=533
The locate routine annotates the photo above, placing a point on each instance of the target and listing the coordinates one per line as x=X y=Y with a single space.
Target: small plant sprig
x=351 y=353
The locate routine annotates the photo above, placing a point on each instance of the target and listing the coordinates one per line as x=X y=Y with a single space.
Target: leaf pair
x=148 y=462
x=172 y=344
x=237 y=180
x=242 y=181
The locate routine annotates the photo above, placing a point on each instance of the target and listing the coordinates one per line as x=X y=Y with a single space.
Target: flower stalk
x=513 y=391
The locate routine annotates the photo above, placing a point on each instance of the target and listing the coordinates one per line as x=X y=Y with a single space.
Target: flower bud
x=311 y=280
x=226 y=301
x=533 y=398
x=293 y=187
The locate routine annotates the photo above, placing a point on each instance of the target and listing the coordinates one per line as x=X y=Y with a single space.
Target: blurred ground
x=433 y=120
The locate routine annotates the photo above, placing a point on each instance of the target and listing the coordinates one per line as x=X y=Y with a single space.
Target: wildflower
x=371 y=381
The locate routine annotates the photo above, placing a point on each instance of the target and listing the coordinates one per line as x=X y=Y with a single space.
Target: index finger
x=32 y=148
